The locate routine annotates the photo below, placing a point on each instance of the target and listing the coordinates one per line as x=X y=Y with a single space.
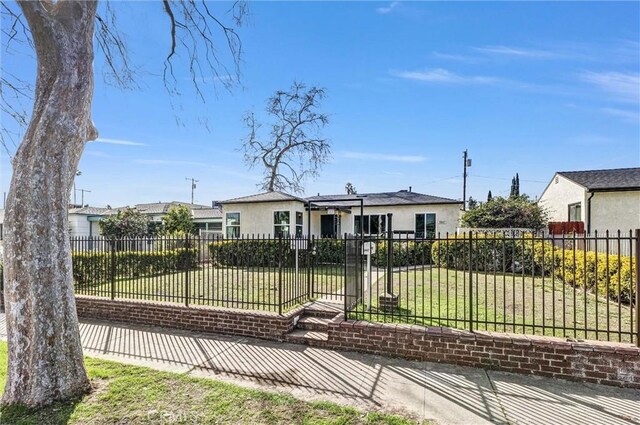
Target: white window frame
x=232 y=226
x=276 y=225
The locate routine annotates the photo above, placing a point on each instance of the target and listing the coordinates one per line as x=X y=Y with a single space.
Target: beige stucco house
x=602 y=199
x=278 y=213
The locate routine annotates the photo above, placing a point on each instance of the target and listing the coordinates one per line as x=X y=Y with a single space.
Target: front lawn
x=125 y=394
x=501 y=302
x=255 y=288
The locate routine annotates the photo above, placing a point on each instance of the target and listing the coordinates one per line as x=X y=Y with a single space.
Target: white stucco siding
x=257 y=218
x=557 y=197
x=404 y=217
x=615 y=211
x=78 y=225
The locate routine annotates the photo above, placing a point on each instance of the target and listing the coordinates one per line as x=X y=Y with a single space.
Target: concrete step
x=307 y=337
x=313 y=323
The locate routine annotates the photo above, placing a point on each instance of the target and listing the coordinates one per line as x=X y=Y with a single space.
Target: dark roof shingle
x=614 y=179
x=402 y=197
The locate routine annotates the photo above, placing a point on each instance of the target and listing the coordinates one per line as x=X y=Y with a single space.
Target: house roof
x=402 y=197
x=208 y=212
x=91 y=211
x=163 y=207
x=264 y=197
x=606 y=180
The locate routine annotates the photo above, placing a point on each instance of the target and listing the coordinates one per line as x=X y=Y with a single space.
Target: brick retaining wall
x=195 y=318
x=604 y=363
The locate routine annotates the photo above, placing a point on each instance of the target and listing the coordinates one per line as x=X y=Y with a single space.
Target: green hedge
x=537 y=258
x=95 y=267
x=533 y=257
x=269 y=253
x=405 y=253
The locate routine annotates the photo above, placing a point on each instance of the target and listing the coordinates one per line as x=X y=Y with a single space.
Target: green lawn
x=236 y=287
x=125 y=394
x=517 y=303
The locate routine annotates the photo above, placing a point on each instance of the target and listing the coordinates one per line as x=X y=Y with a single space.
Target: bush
x=95 y=267
x=272 y=252
x=405 y=253
x=494 y=253
x=537 y=258
x=581 y=268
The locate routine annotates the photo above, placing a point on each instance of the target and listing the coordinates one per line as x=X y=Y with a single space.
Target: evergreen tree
x=489 y=196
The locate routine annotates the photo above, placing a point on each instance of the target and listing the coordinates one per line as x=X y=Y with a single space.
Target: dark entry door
x=328 y=226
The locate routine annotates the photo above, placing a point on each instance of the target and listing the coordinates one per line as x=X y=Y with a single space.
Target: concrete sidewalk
x=444 y=394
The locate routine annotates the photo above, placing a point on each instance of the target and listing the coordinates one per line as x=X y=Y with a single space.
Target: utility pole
x=193 y=186
x=82 y=191
x=467 y=163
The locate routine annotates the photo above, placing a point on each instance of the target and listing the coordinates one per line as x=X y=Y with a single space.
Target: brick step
x=313 y=323
x=322 y=311
x=307 y=337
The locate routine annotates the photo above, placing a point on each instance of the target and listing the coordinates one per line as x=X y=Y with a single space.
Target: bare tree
x=45 y=354
x=294 y=149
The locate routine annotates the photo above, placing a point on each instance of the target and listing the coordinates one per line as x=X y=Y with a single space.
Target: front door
x=328 y=226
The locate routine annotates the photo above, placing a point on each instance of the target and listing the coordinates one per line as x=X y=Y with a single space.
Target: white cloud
x=454 y=57
x=388 y=9
x=118 y=142
x=382 y=157
x=623 y=86
x=624 y=114
x=517 y=51
x=440 y=75
x=169 y=162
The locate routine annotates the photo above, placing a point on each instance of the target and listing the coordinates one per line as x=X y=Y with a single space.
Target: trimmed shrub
x=491 y=253
x=611 y=275
x=95 y=267
x=405 y=253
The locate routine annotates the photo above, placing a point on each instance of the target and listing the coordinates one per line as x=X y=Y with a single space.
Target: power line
x=503 y=178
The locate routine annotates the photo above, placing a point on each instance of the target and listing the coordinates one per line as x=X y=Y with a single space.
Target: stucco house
x=328 y=216
x=83 y=222
x=601 y=199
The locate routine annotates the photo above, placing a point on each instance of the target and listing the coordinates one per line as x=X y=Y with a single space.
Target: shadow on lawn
x=57 y=413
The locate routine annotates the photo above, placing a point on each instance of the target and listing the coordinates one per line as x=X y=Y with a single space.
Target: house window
x=299 y=223
x=233 y=225
x=371 y=224
x=281 y=223
x=425 y=225
x=575 y=212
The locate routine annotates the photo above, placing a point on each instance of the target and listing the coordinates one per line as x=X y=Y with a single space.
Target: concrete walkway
x=440 y=393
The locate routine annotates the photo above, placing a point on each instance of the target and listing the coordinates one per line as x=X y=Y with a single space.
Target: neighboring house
x=601 y=199
x=278 y=213
x=83 y=222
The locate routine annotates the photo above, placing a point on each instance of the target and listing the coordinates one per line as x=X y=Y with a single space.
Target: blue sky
x=528 y=87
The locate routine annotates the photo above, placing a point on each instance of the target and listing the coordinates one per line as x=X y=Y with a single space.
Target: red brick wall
x=605 y=363
x=202 y=319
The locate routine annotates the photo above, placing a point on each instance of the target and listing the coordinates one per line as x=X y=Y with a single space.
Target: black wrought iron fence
x=575 y=286
x=257 y=272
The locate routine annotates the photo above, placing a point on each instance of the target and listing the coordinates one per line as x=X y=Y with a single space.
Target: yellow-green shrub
x=610 y=275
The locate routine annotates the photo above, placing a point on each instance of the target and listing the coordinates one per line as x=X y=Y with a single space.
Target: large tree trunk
x=45 y=354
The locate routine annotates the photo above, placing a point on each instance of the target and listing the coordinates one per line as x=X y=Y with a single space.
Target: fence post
x=113 y=269
x=471 y=280
x=280 y=274
x=637 y=273
x=186 y=270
